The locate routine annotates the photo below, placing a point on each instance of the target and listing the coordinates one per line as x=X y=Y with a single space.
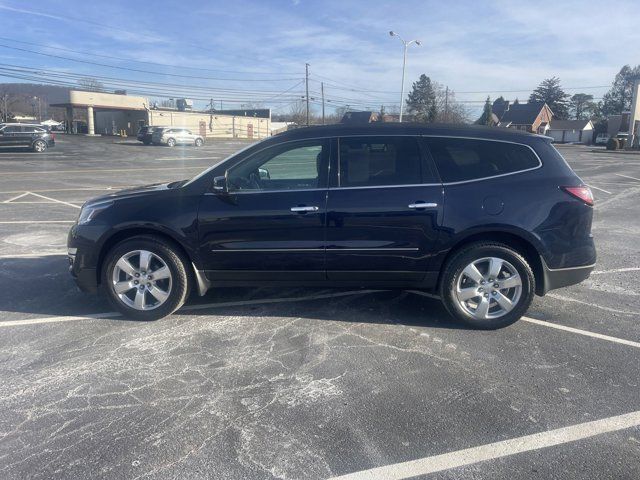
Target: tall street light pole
x=404 y=63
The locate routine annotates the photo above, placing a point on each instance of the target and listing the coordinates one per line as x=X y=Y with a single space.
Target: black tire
x=199 y=142
x=173 y=259
x=474 y=252
x=39 y=146
x=171 y=142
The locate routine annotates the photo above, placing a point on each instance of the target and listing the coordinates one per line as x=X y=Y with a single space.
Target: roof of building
x=359 y=117
x=522 y=113
x=499 y=107
x=569 y=124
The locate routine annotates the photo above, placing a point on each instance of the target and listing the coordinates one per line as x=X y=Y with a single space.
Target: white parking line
x=591 y=304
x=16 y=197
x=627 y=176
x=71 y=318
x=601 y=189
x=77 y=189
x=34 y=222
x=482 y=453
x=31 y=255
x=94 y=170
x=616 y=270
x=186 y=308
x=56 y=201
x=265 y=301
x=586 y=333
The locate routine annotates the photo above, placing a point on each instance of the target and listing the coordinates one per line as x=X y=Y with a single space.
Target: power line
x=121 y=81
x=147 y=71
x=152 y=92
x=146 y=62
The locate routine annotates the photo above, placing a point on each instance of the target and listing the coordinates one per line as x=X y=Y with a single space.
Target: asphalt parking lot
x=304 y=383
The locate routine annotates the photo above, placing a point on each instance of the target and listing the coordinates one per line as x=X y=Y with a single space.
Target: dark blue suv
x=485 y=218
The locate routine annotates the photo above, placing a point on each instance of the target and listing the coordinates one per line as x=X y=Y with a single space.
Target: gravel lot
x=304 y=383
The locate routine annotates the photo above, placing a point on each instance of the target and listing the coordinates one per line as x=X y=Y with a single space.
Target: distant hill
x=20 y=99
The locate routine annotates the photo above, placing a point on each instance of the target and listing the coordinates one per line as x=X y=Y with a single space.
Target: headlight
x=88 y=213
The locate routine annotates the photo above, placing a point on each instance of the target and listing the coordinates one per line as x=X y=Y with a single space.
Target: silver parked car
x=172 y=136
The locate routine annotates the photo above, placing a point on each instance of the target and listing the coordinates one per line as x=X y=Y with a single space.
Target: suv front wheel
x=145 y=278
x=487 y=285
x=39 y=146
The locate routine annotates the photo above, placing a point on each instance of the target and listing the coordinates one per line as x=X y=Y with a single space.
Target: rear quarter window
x=461 y=159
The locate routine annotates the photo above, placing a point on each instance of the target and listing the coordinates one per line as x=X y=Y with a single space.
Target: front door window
x=291 y=166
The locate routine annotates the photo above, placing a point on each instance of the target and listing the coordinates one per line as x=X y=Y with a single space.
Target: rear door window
x=379 y=161
x=462 y=159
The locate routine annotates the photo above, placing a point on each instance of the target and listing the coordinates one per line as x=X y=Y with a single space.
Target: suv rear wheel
x=487 y=285
x=145 y=278
x=198 y=142
x=171 y=142
x=39 y=146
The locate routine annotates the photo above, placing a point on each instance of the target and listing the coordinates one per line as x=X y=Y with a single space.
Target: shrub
x=613 y=144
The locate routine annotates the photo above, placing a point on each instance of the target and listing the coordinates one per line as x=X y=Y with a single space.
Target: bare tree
x=448 y=109
x=91 y=84
x=7 y=102
x=298 y=113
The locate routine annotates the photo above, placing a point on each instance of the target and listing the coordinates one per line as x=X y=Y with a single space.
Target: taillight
x=581 y=193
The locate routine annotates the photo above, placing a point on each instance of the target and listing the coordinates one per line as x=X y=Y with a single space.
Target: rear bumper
x=563 y=277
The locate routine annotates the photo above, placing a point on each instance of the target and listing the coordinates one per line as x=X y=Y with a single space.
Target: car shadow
x=24 y=150
x=42 y=286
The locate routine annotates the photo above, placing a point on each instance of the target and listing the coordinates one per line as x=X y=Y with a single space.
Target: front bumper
x=82 y=262
x=86 y=278
x=563 y=277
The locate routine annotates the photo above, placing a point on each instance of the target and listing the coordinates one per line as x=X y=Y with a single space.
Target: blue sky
x=252 y=51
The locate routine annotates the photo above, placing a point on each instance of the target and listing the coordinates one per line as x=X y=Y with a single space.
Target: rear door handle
x=305 y=209
x=418 y=205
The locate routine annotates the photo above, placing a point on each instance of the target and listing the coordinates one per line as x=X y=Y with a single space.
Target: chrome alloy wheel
x=488 y=288
x=39 y=146
x=142 y=280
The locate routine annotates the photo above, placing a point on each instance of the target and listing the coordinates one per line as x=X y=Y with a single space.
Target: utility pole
x=306 y=82
x=5 y=113
x=322 y=91
x=446 y=105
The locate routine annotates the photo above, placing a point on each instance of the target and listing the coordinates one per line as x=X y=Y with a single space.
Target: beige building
x=111 y=114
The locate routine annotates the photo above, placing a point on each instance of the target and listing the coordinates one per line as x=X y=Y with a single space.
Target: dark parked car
x=35 y=137
x=485 y=218
x=145 y=134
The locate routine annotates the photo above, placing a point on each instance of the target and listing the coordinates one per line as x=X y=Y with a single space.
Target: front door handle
x=304 y=209
x=419 y=205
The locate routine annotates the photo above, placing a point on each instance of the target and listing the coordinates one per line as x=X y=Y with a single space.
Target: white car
x=172 y=136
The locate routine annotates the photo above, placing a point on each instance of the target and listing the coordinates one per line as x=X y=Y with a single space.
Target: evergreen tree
x=421 y=102
x=500 y=105
x=582 y=106
x=618 y=98
x=487 y=114
x=551 y=93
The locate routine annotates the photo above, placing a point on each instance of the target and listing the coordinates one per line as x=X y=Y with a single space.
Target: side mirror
x=264 y=174
x=220 y=184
